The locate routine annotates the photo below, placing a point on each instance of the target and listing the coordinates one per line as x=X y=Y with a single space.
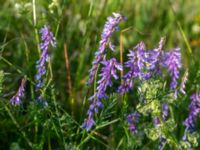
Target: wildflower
x=132 y=119
x=172 y=62
x=47 y=39
x=16 y=99
x=107 y=72
x=189 y=123
x=154 y=59
x=88 y=123
x=194 y=111
x=156 y=121
x=109 y=28
x=184 y=80
x=136 y=64
x=94 y=108
x=165 y=111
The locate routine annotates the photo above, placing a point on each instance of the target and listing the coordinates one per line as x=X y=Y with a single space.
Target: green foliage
x=192 y=141
x=150 y=92
x=151 y=97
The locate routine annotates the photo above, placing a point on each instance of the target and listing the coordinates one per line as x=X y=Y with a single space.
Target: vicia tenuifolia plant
x=17 y=98
x=147 y=70
x=190 y=138
x=110 y=27
x=47 y=39
x=107 y=72
x=132 y=119
x=142 y=65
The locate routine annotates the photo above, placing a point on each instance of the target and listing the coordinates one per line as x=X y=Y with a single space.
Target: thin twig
x=69 y=84
x=121 y=49
x=121 y=54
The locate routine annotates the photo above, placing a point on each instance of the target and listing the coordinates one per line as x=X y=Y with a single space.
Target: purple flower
x=47 y=39
x=94 y=107
x=164 y=114
x=165 y=111
x=154 y=59
x=172 y=62
x=132 y=120
x=109 y=28
x=16 y=99
x=156 y=121
x=107 y=72
x=135 y=63
x=194 y=111
x=88 y=123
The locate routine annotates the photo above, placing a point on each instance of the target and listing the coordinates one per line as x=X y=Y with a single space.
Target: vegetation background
x=78 y=25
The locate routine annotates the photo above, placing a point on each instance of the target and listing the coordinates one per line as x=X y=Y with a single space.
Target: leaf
x=153 y=133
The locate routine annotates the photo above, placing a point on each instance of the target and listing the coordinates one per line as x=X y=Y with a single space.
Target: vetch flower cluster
x=109 y=28
x=132 y=120
x=194 y=111
x=164 y=114
x=173 y=64
x=189 y=123
x=165 y=111
x=16 y=99
x=144 y=64
x=107 y=72
x=135 y=63
x=154 y=59
x=47 y=39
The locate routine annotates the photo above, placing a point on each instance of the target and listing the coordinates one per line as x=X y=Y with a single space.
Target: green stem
x=34 y=13
x=36 y=128
x=49 y=143
x=18 y=70
x=35 y=24
x=57 y=114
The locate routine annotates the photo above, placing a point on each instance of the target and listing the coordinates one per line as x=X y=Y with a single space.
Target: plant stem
x=57 y=114
x=121 y=55
x=35 y=24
